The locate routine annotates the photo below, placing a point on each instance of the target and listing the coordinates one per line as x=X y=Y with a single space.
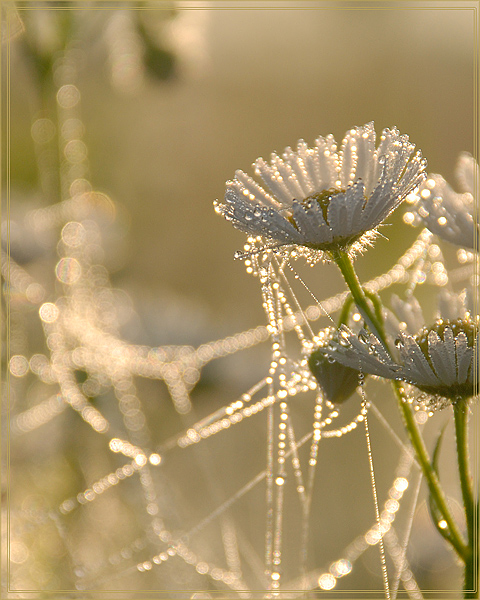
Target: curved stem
x=346 y=267
x=455 y=537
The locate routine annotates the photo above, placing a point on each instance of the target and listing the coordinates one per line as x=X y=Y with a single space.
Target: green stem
x=346 y=267
x=455 y=537
x=460 y=412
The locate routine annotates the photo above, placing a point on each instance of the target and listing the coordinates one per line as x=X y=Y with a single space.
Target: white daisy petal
x=338 y=216
x=288 y=176
x=446 y=213
x=442 y=355
x=298 y=167
x=417 y=368
x=358 y=358
x=348 y=158
x=306 y=225
x=365 y=143
x=382 y=151
x=464 y=356
x=255 y=193
x=344 y=211
x=380 y=200
x=324 y=232
x=274 y=181
x=306 y=155
x=253 y=219
x=369 y=356
x=325 y=159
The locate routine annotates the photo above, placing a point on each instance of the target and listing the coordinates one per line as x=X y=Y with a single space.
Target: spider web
x=126 y=473
x=147 y=530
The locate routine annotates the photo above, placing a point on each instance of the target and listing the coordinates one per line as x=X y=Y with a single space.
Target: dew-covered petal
x=249 y=187
x=274 y=181
x=386 y=140
x=323 y=233
x=307 y=226
x=416 y=367
x=306 y=155
x=326 y=161
x=464 y=355
x=400 y=150
x=447 y=213
x=442 y=355
x=257 y=219
x=361 y=355
x=348 y=158
x=381 y=201
x=378 y=348
x=365 y=152
x=344 y=211
x=298 y=167
x=288 y=176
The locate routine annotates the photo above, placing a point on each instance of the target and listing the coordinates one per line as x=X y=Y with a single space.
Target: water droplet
x=68 y=270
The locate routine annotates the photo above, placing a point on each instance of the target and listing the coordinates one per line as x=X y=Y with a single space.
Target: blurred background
x=237 y=83
x=166 y=101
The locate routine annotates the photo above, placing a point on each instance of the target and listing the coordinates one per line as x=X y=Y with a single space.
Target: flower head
x=439 y=360
x=446 y=213
x=321 y=199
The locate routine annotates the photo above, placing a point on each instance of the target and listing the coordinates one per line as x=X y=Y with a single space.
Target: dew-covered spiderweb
x=158 y=512
x=126 y=472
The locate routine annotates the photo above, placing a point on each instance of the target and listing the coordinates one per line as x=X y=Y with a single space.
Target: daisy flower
x=321 y=199
x=440 y=360
x=446 y=213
